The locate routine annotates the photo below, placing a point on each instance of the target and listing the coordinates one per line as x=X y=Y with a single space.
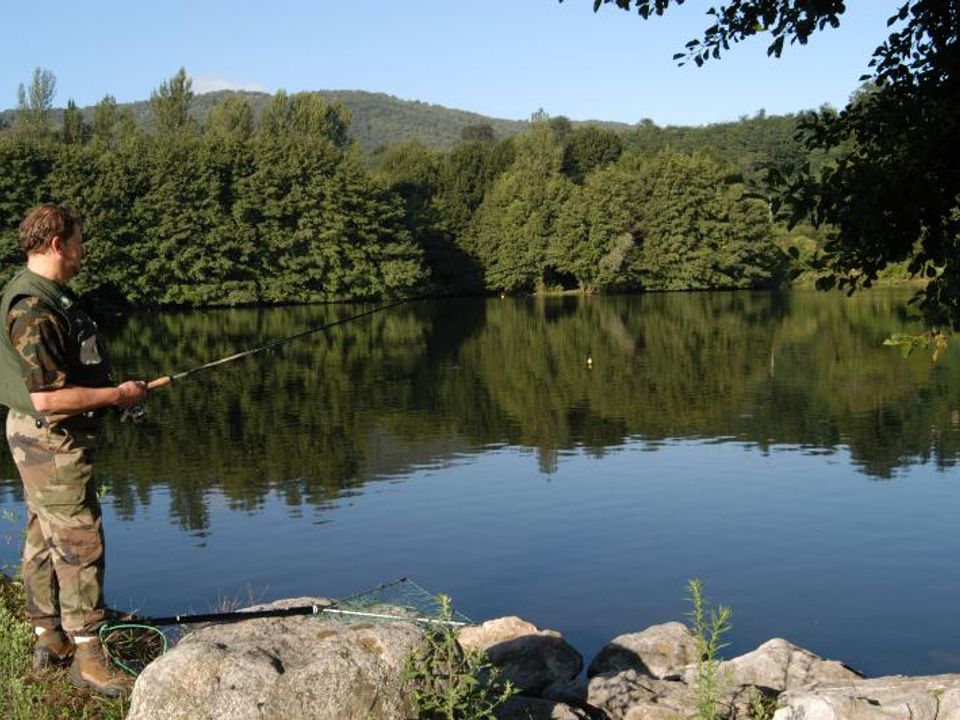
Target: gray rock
x=527 y=708
x=659 y=651
x=775 y=666
x=630 y=695
x=780 y=665
x=302 y=667
x=934 y=697
x=572 y=692
x=531 y=658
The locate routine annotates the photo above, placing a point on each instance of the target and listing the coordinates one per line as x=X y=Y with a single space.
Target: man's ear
x=56 y=245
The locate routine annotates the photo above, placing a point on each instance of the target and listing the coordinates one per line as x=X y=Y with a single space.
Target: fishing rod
x=241 y=615
x=134 y=641
x=175 y=377
x=336 y=607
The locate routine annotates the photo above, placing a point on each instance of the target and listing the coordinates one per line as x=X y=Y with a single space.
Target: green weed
x=761 y=707
x=708 y=624
x=451 y=683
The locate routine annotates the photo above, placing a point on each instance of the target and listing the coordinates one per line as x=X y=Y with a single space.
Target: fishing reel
x=136 y=414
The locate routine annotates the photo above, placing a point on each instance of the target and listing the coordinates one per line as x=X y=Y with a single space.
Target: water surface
x=571 y=460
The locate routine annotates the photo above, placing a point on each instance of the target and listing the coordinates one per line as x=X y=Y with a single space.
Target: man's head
x=45 y=222
x=52 y=235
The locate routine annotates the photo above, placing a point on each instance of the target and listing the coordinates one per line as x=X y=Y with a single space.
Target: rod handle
x=159 y=382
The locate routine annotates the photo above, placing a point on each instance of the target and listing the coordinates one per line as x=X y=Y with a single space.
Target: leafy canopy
x=892 y=192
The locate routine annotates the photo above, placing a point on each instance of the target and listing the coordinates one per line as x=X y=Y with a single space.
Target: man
x=55 y=378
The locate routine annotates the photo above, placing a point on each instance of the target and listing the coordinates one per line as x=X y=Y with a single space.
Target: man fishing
x=55 y=378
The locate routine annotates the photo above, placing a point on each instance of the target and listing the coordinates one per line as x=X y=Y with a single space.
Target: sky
x=501 y=58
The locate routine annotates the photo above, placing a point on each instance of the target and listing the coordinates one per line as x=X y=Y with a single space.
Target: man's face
x=73 y=251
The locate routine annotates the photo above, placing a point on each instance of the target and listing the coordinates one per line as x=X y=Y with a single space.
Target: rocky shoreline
x=312 y=668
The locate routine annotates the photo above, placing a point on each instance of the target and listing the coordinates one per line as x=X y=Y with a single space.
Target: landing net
x=134 y=645
x=400 y=599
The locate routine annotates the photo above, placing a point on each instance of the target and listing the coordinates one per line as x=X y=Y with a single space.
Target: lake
x=573 y=460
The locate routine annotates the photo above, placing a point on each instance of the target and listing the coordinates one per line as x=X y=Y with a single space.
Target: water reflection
x=427 y=384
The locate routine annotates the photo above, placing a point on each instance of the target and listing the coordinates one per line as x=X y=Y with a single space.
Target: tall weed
x=451 y=683
x=709 y=625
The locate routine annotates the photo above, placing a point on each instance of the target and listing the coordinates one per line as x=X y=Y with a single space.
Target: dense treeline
x=277 y=205
x=379 y=120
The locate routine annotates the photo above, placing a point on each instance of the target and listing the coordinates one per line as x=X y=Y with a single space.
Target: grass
x=47 y=695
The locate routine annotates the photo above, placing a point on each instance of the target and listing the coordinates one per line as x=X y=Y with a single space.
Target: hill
x=377 y=119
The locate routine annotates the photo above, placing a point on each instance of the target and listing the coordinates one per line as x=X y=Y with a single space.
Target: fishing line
x=168 y=379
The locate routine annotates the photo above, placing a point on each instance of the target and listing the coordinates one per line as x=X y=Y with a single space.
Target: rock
x=775 y=666
x=934 y=697
x=659 y=651
x=304 y=667
x=630 y=695
x=572 y=692
x=780 y=665
x=532 y=659
x=527 y=708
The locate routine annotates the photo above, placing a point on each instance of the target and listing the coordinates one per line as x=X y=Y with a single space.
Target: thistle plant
x=451 y=683
x=708 y=624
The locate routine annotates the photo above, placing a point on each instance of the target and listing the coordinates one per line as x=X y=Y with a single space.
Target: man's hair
x=45 y=222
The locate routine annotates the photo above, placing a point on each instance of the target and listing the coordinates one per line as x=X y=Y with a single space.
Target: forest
x=273 y=200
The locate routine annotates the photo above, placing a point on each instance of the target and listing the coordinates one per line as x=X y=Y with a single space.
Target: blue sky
x=503 y=58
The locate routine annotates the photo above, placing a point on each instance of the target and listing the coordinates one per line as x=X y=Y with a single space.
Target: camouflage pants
x=63 y=556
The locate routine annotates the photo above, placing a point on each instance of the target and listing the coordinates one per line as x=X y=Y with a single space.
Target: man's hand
x=131 y=392
x=74 y=399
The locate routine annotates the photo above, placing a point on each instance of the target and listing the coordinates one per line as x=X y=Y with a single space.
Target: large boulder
x=659 y=651
x=779 y=665
x=531 y=658
x=297 y=667
x=775 y=666
x=934 y=697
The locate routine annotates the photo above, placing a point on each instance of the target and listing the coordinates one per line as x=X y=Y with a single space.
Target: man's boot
x=52 y=648
x=91 y=668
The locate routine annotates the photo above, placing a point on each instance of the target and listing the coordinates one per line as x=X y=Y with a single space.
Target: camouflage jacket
x=48 y=341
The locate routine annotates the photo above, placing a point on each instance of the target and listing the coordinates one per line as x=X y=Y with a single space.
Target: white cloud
x=209 y=83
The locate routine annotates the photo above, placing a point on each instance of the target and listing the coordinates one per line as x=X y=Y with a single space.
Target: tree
x=112 y=126
x=171 y=102
x=513 y=227
x=35 y=104
x=598 y=233
x=895 y=194
x=306 y=115
x=561 y=126
x=480 y=132
x=698 y=230
x=231 y=118
x=893 y=191
x=25 y=168
x=793 y=20
x=587 y=148
x=467 y=172
x=74 y=129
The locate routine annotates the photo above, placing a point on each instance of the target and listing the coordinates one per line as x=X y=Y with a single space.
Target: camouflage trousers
x=63 y=556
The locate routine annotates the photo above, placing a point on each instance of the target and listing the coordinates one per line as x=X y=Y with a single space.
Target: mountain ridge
x=377 y=119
